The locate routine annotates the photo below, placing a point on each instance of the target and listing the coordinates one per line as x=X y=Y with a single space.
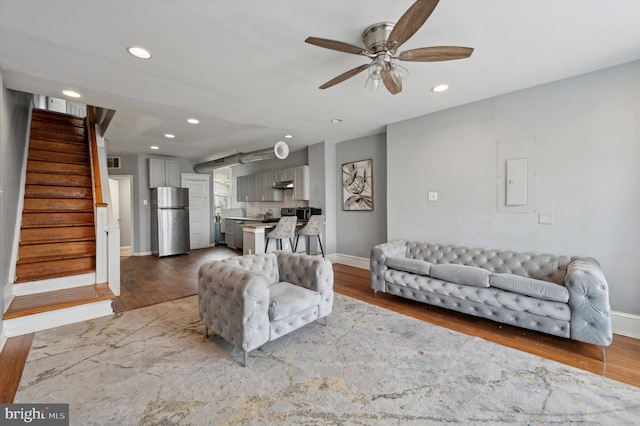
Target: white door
x=123 y=210
x=199 y=208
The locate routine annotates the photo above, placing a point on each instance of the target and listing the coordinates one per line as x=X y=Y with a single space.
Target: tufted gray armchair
x=251 y=300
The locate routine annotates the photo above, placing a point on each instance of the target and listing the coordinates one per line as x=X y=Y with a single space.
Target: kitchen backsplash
x=258 y=209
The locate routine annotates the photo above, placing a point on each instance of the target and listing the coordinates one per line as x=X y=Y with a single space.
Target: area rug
x=369 y=365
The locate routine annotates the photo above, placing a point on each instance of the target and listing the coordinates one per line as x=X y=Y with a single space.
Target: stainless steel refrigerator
x=169 y=221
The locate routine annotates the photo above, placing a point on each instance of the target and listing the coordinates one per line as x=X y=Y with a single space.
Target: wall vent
x=113 y=162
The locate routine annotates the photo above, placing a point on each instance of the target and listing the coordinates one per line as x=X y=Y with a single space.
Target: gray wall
x=358 y=231
x=14 y=123
x=588 y=174
x=138 y=166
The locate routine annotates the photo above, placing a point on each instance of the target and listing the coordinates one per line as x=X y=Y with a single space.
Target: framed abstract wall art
x=357 y=186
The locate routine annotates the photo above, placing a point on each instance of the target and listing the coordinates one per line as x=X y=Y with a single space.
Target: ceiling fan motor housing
x=375 y=37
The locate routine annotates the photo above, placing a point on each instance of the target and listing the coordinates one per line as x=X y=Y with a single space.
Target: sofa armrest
x=589 y=302
x=312 y=272
x=234 y=303
x=379 y=255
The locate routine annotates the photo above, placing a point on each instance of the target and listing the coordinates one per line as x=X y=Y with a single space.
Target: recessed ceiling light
x=288 y=136
x=336 y=120
x=440 y=88
x=71 y=93
x=193 y=121
x=169 y=135
x=139 y=52
x=154 y=147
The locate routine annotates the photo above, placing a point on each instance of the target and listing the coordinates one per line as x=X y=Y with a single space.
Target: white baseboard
x=53 y=284
x=621 y=323
x=125 y=251
x=142 y=253
x=3 y=340
x=46 y=320
x=345 y=259
x=626 y=324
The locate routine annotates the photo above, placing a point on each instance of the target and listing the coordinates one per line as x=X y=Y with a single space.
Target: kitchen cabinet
x=264 y=188
x=246 y=190
x=164 y=173
x=233 y=233
x=301 y=183
x=284 y=175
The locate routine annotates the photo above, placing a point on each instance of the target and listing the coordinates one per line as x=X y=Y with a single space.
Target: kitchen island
x=254 y=237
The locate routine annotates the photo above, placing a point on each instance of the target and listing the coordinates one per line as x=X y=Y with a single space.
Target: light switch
x=144 y=202
x=432 y=196
x=545 y=218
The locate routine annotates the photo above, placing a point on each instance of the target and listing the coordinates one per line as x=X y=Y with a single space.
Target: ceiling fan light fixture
x=377 y=68
x=373 y=84
x=398 y=73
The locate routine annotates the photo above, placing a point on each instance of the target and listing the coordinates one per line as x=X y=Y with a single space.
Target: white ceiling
x=242 y=68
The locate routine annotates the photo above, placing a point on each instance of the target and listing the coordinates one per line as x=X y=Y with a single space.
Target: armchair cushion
x=287 y=299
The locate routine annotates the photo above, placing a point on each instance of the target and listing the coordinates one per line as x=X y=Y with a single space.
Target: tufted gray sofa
x=251 y=300
x=559 y=295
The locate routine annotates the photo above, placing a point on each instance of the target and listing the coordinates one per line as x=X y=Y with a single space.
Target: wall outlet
x=432 y=196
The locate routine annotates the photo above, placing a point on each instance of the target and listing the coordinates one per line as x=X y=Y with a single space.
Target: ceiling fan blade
x=393 y=87
x=340 y=46
x=344 y=76
x=436 y=54
x=411 y=22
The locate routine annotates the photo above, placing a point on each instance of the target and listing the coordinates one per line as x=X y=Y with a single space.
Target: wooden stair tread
x=59 y=299
x=41 y=166
x=55 y=257
x=49 y=191
x=47 y=276
x=58 y=146
x=56 y=240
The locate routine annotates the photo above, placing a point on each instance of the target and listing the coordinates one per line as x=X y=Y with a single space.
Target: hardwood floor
x=148 y=280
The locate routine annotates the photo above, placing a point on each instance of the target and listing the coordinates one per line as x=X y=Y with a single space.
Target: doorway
x=121 y=187
x=199 y=209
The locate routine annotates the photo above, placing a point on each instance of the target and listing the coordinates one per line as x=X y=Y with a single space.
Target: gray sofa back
x=546 y=267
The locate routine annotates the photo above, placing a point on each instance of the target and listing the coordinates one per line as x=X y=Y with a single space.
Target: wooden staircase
x=57 y=237
x=55 y=279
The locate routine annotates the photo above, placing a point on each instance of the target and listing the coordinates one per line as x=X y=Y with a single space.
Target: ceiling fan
x=381 y=42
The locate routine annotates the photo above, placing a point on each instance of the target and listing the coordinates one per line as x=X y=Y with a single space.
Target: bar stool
x=313 y=227
x=286 y=228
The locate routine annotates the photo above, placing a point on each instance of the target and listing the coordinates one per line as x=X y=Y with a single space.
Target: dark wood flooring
x=148 y=280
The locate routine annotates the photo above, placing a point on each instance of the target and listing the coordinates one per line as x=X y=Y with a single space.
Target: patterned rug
x=154 y=366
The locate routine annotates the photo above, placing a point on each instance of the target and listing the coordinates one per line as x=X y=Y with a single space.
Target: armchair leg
x=320 y=242
x=291 y=245
x=604 y=357
x=246 y=359
x=206 y=331
x=324 y=321
x=295 y=247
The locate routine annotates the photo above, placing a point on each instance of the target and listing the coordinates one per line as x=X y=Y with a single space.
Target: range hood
x=285 y=184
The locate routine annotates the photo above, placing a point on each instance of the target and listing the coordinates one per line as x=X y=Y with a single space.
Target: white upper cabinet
x=163 y=173
x=301 y=183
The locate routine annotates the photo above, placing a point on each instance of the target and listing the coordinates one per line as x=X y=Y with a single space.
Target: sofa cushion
x=287 y=299
x=461 y=274
x=530 y=287
x=415 y=266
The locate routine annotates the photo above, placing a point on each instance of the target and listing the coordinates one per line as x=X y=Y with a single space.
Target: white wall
x=588 y=175
x=14 y=124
